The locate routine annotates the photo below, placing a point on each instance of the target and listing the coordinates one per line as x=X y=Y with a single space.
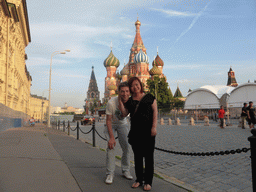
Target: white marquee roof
x=208 y=96
x=218 y=90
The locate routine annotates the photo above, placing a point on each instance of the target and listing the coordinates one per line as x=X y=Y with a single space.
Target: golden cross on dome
x=111 y=46
x=157 y=50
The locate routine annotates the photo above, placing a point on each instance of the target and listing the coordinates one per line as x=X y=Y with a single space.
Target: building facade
x=38 y=107
x=15 y=79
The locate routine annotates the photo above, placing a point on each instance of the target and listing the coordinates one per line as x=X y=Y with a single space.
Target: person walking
x=221 y=116
x=143 y=116
x=244 y=115
x=251 y=115
x=116 y=123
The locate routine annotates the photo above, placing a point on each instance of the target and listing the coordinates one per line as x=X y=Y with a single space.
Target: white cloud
x=184 y=66
x=128 y=36
x=37 y=61
x=164 y=39
x=49 y=29
x=172 y=13
x=192 y=23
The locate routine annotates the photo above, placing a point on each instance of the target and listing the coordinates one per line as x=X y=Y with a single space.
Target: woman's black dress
x=140 y=138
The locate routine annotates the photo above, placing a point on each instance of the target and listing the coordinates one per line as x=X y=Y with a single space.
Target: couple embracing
x=141 y=136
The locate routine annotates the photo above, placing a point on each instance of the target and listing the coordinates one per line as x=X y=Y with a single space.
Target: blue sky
x=198 y=40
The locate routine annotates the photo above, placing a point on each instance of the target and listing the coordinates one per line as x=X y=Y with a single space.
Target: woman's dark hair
x=131 y=80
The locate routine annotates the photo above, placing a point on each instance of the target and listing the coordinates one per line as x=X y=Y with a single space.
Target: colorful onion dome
x=137 y=22
x=112 y=87
x=125 y=70
x=158 y=61
x=141 y=57
x=155 y=71
x=111 y=60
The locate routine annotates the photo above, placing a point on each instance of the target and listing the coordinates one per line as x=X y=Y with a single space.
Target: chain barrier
x=100 y=135
x=227 y=152
x=86 y=132
x=72 y=129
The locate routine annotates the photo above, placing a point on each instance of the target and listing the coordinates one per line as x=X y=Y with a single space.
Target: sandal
x=147 y=187
x=136 y=185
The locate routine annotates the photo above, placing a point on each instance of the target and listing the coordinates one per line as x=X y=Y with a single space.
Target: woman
x=143 y=112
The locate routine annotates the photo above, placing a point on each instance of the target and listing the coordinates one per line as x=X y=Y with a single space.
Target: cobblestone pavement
x=229 y=173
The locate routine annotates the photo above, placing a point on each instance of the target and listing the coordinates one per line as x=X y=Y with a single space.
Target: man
x=221 y=116
x=116 y=123
x=251 y=115
x=244 y=115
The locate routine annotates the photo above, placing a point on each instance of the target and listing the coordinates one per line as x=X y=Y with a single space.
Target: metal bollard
x=59 y=125
x=63 y=126
x=68 y=128
x=252 y=140
x=56 y=124
x=77 y=131
x=93 y=134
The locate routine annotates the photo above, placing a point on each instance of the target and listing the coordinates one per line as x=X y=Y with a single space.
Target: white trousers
x=122 y=132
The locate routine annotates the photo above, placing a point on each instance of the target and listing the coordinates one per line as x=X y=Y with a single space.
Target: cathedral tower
x=231 y=78
x=93 y=94
x=112 y=80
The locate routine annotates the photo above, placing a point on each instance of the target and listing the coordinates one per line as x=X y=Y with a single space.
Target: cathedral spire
x=137 y=40
x=93 y=75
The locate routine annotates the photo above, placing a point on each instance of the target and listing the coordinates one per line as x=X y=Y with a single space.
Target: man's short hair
x=250 y=102
x=245 y=104
x=123 y=84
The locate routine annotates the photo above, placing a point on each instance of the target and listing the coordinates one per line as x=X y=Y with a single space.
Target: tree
x=159 y=88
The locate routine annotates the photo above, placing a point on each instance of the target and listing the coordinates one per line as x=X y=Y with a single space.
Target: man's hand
x=111 y=143
x=153 y=132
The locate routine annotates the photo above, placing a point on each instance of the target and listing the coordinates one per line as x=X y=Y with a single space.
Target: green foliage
x=176 y=103
x=159 y=88
x=165 y=100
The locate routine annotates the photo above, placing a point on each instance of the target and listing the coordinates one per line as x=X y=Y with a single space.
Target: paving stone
x=198 y=139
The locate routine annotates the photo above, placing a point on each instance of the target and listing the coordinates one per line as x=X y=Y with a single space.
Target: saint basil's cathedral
x=138 y=66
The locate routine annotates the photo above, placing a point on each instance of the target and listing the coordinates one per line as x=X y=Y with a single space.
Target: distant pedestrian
x=244 y=115
x=251 y=115
x=215 y=116
x=221 y=116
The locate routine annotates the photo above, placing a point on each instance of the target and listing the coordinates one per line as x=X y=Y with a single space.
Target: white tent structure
x=212 y=96
x=242 y=94
x=207 y=97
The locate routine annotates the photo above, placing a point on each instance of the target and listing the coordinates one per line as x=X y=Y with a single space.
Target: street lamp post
x=50 y=79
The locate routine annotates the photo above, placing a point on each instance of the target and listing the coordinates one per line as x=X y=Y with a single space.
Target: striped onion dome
x=111 y=60
x=158 y=61
x=112 y=87
x=141 y=57
x=155 y=71
x=125 y=70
